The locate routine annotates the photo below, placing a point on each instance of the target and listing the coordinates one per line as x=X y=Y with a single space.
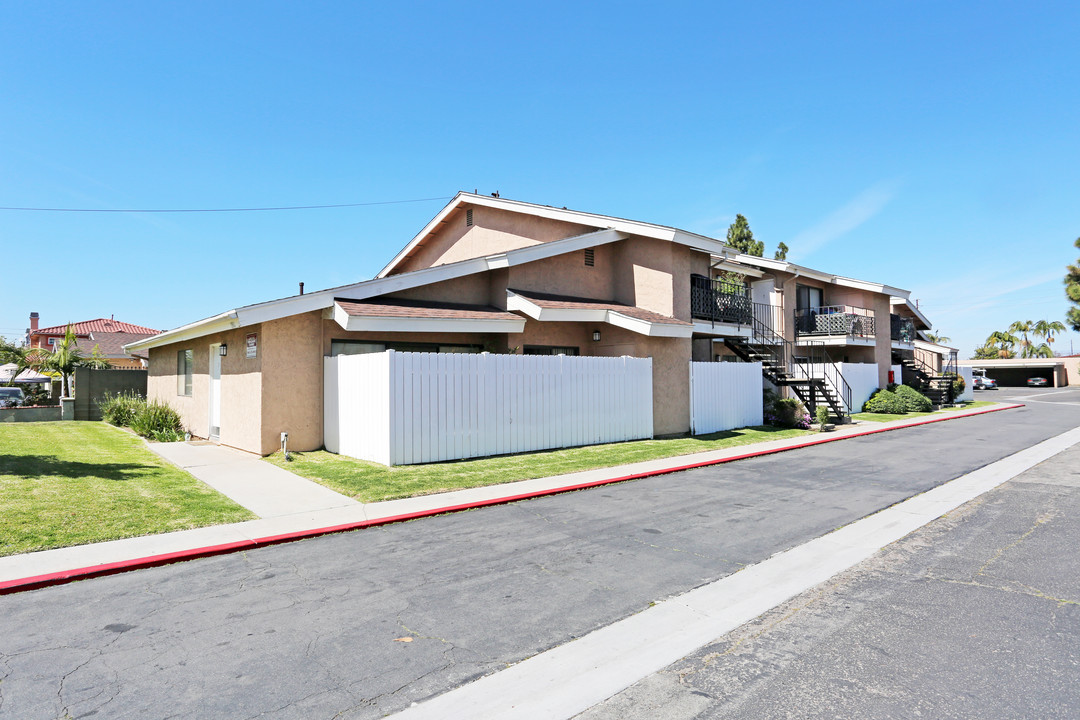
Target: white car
x=981 y=382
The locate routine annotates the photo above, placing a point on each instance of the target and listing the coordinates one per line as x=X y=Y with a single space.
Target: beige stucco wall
x=292 y=374
x=493 y=231
x=568 y=274
x=1072 y=370
x=241 y=401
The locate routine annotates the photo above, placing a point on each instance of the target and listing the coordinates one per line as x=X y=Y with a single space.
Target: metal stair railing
x=830 y=374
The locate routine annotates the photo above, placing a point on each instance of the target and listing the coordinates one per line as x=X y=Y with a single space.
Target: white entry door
x=215 y=392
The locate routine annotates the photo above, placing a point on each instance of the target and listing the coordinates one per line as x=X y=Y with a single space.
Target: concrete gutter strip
x=569 y=679
x=179 y=546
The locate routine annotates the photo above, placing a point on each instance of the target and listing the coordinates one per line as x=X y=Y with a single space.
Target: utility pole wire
x=212 y=210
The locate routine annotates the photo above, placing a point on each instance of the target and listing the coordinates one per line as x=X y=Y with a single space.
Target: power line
x=212 y=210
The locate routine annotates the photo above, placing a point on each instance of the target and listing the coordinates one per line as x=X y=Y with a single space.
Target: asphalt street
x=977 y=615
x=361 y=624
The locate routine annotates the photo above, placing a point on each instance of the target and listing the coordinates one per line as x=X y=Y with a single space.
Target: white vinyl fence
x=863 y=379
x=724 y=396
x=969 y=390
x=402 y=408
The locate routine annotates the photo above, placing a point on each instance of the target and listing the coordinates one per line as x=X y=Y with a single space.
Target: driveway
x=318 y=628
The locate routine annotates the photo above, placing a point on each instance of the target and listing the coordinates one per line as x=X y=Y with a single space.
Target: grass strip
x=886 y=417
x=72 y=483
x=371 y=482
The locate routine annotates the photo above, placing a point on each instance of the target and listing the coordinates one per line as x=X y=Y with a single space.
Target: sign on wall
x=252 y=345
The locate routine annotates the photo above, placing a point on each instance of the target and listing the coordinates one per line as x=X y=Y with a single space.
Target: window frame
x=185 y=361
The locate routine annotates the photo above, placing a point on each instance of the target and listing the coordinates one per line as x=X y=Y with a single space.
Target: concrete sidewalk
x=309 y=509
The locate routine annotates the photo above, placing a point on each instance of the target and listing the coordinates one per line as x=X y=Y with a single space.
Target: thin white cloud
x=857 y=211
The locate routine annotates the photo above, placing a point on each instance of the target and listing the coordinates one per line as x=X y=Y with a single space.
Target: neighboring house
x=496 y=275
x=108 y=335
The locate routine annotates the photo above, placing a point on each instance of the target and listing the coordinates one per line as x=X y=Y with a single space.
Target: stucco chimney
x=33 y=322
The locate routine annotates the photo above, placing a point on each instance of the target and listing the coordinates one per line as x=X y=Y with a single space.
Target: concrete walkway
x=264 y=489
x=310 y=509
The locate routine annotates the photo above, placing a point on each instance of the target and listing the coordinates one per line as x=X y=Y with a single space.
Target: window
x=361 y=347
x=184 y=365
x=52 y=341
x=549 y=350
x=808 y=298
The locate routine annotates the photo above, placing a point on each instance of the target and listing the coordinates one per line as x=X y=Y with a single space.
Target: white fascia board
x=934 y=347
x=722 y=264
x=918 y=313
x=722 y=330
x=1013 y=363
x=274 y=309
x=218 y=323
x=871 y=287
x=802 y=271
x=369 y=323
x=515 y=302
x=901 y=345
x=644 y=327
x=659 y=232
x=836 y=341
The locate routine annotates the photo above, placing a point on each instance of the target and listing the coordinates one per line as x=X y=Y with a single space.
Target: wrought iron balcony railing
x=902 y=328
x=835 y=320
x=720 y=301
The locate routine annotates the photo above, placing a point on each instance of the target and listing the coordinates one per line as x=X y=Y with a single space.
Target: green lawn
x=71 y=483
x=371 y=482
x=886 y=417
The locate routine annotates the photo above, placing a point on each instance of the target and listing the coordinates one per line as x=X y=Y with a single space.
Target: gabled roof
x=322 y=299
x=101 y=325
x=398 y=308
x=631 y=227
x=556 y=308
x=800 y=270
x=111 y=344
x=914 y=310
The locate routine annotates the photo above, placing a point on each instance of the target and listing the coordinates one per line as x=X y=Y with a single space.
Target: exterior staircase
x=814 y=383
x=936 y=386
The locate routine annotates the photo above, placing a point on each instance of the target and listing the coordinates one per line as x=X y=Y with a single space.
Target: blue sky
x=932 y=146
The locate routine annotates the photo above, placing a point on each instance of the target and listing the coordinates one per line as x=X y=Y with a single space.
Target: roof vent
x=590 y=257
x=468 y=218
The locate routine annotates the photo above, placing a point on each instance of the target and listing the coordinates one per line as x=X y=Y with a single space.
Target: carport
x=1015 y=372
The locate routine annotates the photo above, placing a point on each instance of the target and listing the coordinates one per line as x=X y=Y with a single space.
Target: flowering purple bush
x=786 y=412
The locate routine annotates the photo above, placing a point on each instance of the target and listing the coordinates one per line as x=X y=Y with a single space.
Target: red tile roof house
x=486 y=274
x=106 y=334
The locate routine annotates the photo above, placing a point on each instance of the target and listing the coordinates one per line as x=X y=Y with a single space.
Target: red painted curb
x=85 y=573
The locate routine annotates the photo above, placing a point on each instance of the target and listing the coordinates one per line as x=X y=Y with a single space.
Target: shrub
x=883 y=401
x=157 y=421
x=821 y=414
x=958 y=387
x=785 y=412
x=914 y=401
x=121 y=409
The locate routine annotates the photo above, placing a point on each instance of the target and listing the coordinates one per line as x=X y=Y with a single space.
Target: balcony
x=835 y=320
x=902 y=328
x=720 y=301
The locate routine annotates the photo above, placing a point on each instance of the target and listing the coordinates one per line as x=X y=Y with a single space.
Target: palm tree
x=24 y=358
x=96 y=360
x=1023 y=327
x=1003 y=341
x=1042 y=351
x=939 y=339
x=1047 y=329
x=65 y=357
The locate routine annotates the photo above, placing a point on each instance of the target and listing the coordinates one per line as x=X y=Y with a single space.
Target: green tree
x=1072 y=292
x=1003 y=343
x=97 y=360
x=25 y=358
x=1047 y=329
x=1022 y=328
x=939 y=339
x=986 y=352
x=741 y=237
x=781 y=252
x=65 y=357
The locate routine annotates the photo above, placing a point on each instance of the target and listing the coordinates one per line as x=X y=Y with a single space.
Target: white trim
x=836 y=340
x=323 y=299
x=937 y=348
x=914 y=310
x=383 y=323
x=785 y=266
x=722 y=330
x=901 y=345
x=633 y=227
x=217 y=323
x=609 y=316
x=1013 y=362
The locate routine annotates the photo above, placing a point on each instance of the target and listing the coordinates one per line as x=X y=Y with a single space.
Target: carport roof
x=1014 y=363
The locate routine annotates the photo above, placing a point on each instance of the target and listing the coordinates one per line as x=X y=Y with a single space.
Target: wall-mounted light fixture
x=223 y=350
x=596 y=335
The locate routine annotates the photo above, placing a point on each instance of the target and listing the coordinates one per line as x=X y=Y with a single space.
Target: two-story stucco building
x=493 y=275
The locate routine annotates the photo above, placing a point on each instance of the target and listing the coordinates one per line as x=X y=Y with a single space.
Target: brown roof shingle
x=545 y=300
x=101 y=325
